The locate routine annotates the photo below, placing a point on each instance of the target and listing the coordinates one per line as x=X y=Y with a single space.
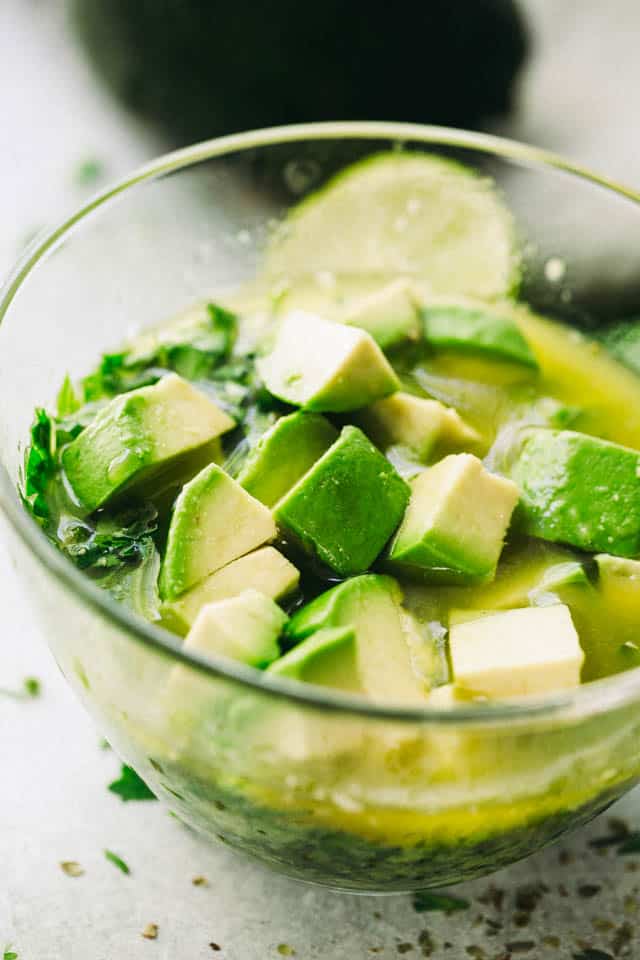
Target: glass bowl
x=320 y=785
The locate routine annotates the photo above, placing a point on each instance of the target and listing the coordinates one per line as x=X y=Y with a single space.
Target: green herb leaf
x=129 y=786
x=117 y=861
x=10 y=955
x=32 y=686
x=68 y=401
x=89 y=172
x=424 y=902
x=117 y=540
x=630 y=844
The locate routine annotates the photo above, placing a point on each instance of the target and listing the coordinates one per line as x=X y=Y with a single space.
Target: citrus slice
x=402 y=214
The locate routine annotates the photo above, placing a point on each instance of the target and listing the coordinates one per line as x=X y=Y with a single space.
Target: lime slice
x=402 y=214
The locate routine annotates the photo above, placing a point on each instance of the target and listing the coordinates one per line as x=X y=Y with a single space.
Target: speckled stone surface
x=54 y=806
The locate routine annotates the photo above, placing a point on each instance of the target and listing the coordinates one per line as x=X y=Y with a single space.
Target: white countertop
x=54 y=805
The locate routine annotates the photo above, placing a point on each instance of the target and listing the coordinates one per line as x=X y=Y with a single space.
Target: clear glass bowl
x=321 y=786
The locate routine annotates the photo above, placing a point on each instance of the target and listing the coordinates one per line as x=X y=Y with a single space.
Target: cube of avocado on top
x=214 y=521
x=138 y=434
x=244 y=628
x=454 y=527
x=284 y=453
x=533 y=650
x=416 y=423
x=476 y=330
x=370 y=605
x=327 y=658
x=265 y=570
x=345 y=508
x=579 y=490
x=325 y=366
x=389 y=314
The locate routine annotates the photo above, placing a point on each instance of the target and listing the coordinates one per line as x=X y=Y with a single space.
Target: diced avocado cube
x=415 y=422
x=136 y=435
x=284 y=453
x=580 y=490
x=476 y=330
x=214 y=521
x=620 y=568
x=325 y=366
x=327 y=658
x=264 y=570
x=560 y=575
x=245 y=628
x=370 y=605
x=390 y=314
x=534 y=650
x=455 y=523
x=346 y=507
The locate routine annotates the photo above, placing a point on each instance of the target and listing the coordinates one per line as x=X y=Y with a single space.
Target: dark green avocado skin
x=202 y=68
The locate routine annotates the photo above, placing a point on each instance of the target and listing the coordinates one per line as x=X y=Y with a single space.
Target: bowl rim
x=594 y=697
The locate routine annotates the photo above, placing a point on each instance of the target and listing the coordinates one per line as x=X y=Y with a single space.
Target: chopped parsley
x=117 y=861
x=425 y=902
x=129 y=786
x=89 y=172
x=9 y=954
x=32 y=686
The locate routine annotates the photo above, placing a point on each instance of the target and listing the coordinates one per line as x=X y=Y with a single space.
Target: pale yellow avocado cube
x=534 y=650
x=243 y=628
x=415 y=422
x=389 y=314
x=265 y=570
x=325 y=366
x=454 y=527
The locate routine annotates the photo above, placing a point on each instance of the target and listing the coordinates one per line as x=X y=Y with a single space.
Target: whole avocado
x=201 y=68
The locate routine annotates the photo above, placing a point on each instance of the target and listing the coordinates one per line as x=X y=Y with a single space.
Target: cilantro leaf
x=68 y=401
x=32 y=686
x=129 y=786
x=117 y=862
x=424 y=902
x=117 y=540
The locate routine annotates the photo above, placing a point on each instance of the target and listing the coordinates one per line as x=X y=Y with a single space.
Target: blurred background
x=91 y=88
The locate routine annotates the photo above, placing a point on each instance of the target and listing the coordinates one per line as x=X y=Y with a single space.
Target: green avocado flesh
x=375 y=471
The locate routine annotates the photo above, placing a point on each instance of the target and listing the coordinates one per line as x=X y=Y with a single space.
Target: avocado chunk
x=369 y=604
x=560 y=575
x=264 y=570
x=244 y=628
x=580 y=490
x=284 y=453
x=136 y=435
x=326 y=658
x=346 y=507
x=416 y=423
x=455 y=523
x=325 y=366
x=390 y=314
x=534 y=650
x=476 y=330
x=214 y=521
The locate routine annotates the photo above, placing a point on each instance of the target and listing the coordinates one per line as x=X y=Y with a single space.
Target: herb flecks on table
x=129 y=786
x=117 y=862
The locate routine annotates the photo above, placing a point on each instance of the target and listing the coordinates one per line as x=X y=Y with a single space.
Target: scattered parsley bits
x=129 y=786
x=591 y=954
x=285 y=950
x=150 y=932
x=32 y=686
x=200 y=882
x=9 y=954
x=89 y=172
x=425 y=902
x=117 y=861
x=104 y=744
x=71 y=868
